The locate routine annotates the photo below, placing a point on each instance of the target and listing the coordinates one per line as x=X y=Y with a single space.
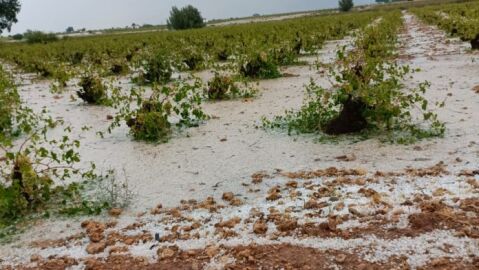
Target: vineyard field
x=315 y=140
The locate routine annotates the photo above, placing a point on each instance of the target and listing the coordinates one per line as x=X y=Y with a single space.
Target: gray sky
x=57 y=15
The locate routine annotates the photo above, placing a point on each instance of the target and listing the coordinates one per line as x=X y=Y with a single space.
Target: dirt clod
x=115 y=212
x=274 y=194
x=258 y=177
x=286 y=224
x=260 y=227
x=212 y=251
x=95 y=230
x=228 y=196
x=229 y=223
x=95 y=248
x=166 y=253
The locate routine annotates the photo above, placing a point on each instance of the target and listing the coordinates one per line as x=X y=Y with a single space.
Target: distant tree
x=70 y=29
x=8 y=14
x=185 y=18
x=39 y=37
x=17 y=37
x=346 y=5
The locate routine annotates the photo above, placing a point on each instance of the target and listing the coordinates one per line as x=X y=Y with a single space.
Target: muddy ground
x=228 y=195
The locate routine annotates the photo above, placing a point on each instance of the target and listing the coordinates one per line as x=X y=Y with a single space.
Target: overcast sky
x=57 y=15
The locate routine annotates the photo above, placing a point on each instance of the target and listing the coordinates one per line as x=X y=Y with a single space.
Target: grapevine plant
x=155 y=53
x=367 y=94
x=259 y=66
x=9 y=102
x=222 y=87
x=93 y=90
x=461 y=20
x=152 y=118
x=155 y=68
x=37 y=157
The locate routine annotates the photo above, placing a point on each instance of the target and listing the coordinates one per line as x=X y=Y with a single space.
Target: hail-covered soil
x=254 y=199
x=345 y=218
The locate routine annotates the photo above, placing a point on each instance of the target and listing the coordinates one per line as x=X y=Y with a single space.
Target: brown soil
x=460 y=217
x=434 y=216
x=252 y=257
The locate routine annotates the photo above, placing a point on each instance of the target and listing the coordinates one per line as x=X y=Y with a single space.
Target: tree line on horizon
x=188 y=17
